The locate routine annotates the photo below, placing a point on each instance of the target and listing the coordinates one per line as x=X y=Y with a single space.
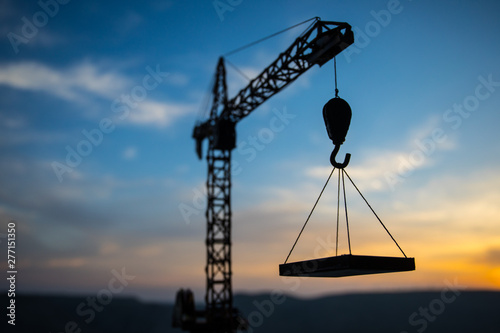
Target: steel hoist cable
x=366 y=201
x=239 y=71
x=338 y=218
x=307 y=220
x=241 y=48
x=345 y=208
x=335 y=74
x=338 y=214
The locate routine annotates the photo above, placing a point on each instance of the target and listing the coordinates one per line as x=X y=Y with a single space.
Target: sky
x=98 y=169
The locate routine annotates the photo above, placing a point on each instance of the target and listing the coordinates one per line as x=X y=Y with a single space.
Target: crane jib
x=317 y=45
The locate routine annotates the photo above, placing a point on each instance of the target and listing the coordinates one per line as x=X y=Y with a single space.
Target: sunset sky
x=124 y=82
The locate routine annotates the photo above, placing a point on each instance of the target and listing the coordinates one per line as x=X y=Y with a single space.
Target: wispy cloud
x=28 y=136
x=130 y=153
x=492 y=256
x=130 y=21
x=177 y=79
x=70 y=83
x=459 y=200
x=12 y=121
x=159 y=113
x=381 y=169
x=80 y=81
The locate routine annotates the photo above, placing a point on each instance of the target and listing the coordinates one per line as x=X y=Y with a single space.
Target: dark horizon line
x=258 y=294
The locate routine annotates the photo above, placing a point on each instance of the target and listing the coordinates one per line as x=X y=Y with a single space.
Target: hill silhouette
x=431 y=312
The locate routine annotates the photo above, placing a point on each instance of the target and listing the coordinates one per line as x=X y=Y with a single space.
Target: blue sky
x=423 y=82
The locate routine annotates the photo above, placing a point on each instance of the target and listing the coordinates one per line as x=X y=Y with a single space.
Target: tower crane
x=321 y=42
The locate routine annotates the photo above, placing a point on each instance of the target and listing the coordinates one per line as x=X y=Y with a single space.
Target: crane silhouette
x=318 y=44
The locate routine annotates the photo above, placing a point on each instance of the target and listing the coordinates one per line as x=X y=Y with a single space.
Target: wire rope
x=346 y=218
x=237 y=70
x=338 y=210
x=307 y=220
x=375 y=214
x=241 y=48
x=335 y=74
x=203 y=110
x=261 y=40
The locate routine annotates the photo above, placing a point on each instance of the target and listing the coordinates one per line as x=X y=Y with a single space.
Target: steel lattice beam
x=219 y=297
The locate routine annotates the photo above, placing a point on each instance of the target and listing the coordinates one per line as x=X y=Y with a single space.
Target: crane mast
x=317 y=45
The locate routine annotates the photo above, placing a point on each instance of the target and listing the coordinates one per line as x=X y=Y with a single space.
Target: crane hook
x=334 y=155
x=337 y=115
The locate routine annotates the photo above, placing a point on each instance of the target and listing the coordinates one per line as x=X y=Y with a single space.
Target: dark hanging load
x=347 y=265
